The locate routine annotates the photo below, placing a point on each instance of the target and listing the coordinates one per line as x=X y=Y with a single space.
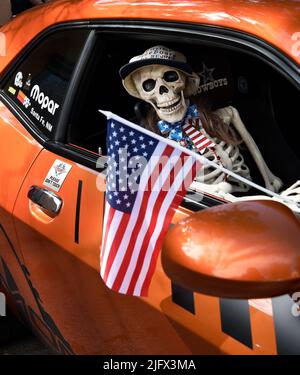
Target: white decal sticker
x=28 y=82
x=43 y=100
x=19 y=80
x=57 y=175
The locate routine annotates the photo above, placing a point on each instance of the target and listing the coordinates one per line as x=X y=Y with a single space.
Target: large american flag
x=147 y=178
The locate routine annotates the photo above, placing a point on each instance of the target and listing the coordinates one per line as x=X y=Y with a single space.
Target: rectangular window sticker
x=57 y=175
x=12 y=90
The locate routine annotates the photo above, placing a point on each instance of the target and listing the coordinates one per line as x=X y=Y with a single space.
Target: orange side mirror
x=241 y=250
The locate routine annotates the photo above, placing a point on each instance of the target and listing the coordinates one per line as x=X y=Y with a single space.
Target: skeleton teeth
x=168 y=104
x=172 y=109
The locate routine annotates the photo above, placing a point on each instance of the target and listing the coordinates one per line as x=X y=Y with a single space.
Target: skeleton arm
x=292 y=193
x=231 y=115
x=273 y=183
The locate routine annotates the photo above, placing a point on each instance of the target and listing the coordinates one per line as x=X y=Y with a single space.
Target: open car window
x=266 y=101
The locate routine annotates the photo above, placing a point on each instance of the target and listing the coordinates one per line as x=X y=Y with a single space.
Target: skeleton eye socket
x=170 y=76
x=149 y=85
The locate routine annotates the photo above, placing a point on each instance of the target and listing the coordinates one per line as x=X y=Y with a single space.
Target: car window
x=39 y=84
x=101 y=87
x=228 y=78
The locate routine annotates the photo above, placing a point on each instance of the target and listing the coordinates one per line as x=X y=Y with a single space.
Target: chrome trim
x=46 y=199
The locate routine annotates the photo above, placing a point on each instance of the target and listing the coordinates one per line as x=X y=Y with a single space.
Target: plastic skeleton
x=273 y=183
x=233 y=160
x=167 y=89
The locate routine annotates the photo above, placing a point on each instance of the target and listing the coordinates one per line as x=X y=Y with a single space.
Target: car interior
x=267 y=101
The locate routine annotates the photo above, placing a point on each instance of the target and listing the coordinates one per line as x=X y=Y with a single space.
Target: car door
x=58 y=218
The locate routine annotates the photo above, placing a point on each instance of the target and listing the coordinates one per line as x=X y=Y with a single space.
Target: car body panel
x=66 y=276
x=14 y=166
x=51 y=253
x=273 y=21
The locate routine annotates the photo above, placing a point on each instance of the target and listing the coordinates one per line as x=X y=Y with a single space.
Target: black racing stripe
x=78 y=206
x=183 y=297
x=287 y=326
x=10 y=244
x=235 y=320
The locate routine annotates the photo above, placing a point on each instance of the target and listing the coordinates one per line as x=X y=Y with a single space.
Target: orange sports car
x=59 y=64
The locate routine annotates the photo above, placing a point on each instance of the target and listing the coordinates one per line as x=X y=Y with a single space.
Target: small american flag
x=200 y=141
x=147 y=178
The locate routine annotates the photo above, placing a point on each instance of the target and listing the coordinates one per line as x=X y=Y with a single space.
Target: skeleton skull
x=162 y=87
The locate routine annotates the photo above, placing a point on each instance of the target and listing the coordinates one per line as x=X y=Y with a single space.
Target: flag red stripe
x=107 y=226
x=176 y=202
x=193 y=133
x=199 y=138
x=150 y=229
x=116 y=243
x=204 y=145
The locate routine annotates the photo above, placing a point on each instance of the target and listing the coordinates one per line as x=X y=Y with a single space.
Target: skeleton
x=168 y=90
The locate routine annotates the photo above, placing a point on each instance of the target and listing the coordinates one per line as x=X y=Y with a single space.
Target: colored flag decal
x=21 y=97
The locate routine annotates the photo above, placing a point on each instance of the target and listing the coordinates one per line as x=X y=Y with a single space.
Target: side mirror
x=241 y=250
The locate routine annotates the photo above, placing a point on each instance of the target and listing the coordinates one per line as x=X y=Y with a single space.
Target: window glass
x=39 y=84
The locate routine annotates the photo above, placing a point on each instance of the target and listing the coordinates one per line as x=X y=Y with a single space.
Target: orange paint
x=273 y=21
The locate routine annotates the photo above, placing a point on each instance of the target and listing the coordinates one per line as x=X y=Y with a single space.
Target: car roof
x=275 y=21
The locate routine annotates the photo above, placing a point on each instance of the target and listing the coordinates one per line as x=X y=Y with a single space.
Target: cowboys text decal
x=207 y=80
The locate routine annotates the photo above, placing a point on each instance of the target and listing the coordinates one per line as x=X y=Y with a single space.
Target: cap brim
x=129 y=68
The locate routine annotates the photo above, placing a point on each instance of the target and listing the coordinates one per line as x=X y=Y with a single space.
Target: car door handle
x=46 y=199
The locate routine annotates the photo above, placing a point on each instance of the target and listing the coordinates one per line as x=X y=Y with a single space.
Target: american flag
x=200 y=141
x=146 y=180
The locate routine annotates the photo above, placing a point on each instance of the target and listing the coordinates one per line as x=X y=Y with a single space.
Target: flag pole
x=112 y=116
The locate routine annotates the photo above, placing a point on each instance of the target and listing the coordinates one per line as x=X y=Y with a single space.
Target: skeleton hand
x=231 y=115
x=274 y=183
x=221 y=189
x=293 y=194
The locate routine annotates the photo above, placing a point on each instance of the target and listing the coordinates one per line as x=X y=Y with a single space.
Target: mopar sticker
x=57 y=175
x=43 y=100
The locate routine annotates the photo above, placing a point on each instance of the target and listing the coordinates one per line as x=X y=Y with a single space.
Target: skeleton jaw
x=172 y=110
